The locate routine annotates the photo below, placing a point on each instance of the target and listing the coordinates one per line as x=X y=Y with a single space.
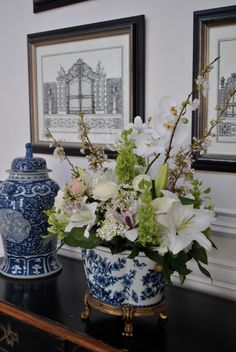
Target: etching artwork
x=83 y=87
x=227 y=81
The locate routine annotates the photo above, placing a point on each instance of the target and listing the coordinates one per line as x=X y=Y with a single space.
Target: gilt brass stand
x=127 y=311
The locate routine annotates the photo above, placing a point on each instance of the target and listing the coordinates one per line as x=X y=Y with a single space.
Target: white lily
x=83 y=217
x=184 y=224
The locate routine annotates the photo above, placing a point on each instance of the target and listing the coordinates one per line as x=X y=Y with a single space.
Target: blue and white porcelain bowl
x=118 y=280
x=24 y=196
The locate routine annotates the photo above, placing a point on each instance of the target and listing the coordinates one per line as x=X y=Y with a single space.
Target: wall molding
x=217 y=288
x=225 y=223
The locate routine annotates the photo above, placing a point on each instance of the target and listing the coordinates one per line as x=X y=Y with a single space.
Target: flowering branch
x=201 y=85
x=200 y=144
x=59 y=151
x=97 y=156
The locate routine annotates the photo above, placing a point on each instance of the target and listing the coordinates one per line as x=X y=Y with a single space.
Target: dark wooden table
x=197 y=322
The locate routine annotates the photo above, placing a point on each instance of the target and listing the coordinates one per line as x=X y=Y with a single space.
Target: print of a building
x=227 y=85
x=81 y=89
x=227 y=128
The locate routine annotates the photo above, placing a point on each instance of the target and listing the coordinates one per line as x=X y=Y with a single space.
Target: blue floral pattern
x=24 y=196
x=118 y=280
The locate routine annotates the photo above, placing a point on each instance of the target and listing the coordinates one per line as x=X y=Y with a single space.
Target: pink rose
x=78 y=186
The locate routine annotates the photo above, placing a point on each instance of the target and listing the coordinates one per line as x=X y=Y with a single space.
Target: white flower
x=200 y=80
x=131 y=234
x=169 y=194
x=83 y=217
x=59 y=201
x=184 y=224
x=105 y=190
x=163 y=204
x=138 y=126
x=169 y=112
x=59 y=153
x=166 y=104
x=147 y=145
x=203 y=85
x=194 y=105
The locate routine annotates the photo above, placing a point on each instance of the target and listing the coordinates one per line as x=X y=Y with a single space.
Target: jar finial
x=29 y=153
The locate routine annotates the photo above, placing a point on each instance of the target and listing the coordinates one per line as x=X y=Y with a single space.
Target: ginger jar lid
x=29 y=163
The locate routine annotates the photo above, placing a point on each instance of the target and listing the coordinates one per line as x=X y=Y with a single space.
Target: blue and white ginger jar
x=118 y=280
x=24 y=196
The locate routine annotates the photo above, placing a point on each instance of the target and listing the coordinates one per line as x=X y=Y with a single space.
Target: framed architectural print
x=43 y=5
x=215 y=36
x=95 y=69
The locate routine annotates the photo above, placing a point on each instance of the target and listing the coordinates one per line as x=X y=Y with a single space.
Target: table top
x=196 y=321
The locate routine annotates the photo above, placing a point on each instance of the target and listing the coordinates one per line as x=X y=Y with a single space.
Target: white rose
x=105 y=190
x=138 y=179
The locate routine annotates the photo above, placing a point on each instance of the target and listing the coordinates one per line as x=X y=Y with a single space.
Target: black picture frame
x=131 y=30
x=204 y=22
x=44 y=5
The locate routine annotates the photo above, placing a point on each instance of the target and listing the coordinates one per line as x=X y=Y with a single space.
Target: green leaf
x=182 y=278
x=76 y=238
x=207 y=232
x=186 y=201
x=155 y=256
x=176 y=263
x=213 y=244
x=207 y=191
x=204 y=271
x=134 y=253
x=199 y=253
x=117 y=244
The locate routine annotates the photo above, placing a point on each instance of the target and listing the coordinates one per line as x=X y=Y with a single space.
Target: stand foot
x=127 y=311
x=87 y=309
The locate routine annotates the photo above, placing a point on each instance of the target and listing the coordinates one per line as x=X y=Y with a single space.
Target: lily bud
x=161 y=179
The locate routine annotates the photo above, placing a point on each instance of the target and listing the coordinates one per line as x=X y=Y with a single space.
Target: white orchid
x=146 y=145
x=184 y=224
x=166 y=123
x=137 y=126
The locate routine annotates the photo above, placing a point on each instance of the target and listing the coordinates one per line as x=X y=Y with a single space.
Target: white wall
x=169 y=41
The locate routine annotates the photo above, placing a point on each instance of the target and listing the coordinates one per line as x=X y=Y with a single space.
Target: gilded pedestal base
x=127 y=312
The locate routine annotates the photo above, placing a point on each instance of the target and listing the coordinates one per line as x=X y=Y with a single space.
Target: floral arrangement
x=149 y=200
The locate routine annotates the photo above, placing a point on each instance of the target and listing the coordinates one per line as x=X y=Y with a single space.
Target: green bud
x=161 y=179
x=185 y=120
